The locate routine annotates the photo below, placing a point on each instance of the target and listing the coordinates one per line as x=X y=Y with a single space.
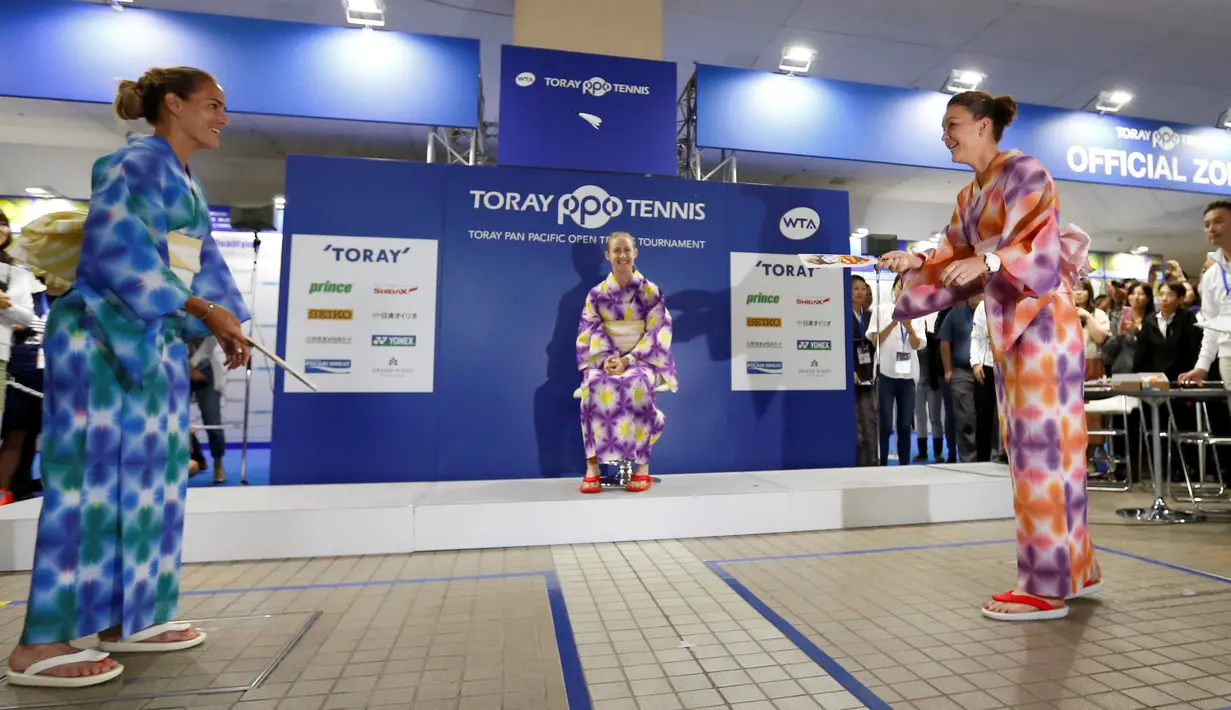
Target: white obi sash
x=625 y=333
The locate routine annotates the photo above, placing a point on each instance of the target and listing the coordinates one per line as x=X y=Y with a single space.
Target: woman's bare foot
x=1011 y=608
x=25 y=656
x=112 y=635
x=643 y=469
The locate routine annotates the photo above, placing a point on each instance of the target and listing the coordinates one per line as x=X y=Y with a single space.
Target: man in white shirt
x=1215 y=290
x=898 y=345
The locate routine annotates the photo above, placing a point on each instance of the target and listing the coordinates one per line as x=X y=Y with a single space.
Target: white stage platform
x=279 y=522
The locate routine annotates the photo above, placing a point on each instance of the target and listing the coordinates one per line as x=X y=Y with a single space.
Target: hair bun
x=128 y=101
x=1007 y=108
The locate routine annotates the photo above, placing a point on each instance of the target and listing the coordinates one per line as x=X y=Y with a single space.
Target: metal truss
x=688 y=155
x=462 y=146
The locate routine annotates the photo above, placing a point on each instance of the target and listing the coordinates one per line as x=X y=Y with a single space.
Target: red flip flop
x=1046 y=610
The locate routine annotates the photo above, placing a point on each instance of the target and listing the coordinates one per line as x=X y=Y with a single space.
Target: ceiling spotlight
x=963 y=80
x=1112 y=101
x=280 y=202
x=796 y=59
x=368 y=13
x=1141 y=250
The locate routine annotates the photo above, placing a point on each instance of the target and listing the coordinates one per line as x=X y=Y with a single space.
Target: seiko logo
x=764 y=322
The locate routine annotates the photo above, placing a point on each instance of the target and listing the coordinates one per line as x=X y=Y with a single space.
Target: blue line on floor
x=847 y=553
x=575 y=688
x=844 y=677
x=825 y=661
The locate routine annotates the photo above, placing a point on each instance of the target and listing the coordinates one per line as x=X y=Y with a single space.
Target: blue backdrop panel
x=518 y=253
x=544 y=94
x=352 y=438
x=73 y=51
x=743 y=109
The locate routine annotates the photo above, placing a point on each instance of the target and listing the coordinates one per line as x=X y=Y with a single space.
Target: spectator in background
x=863 y=354
x=1117 y=294
x=899 y=343
x=1170 y=343
x=960 y=380
x=983 y=367
x=207 y=372
x=1098 y=329
x=17 y=286
x=1120 y=350
x=929 y=397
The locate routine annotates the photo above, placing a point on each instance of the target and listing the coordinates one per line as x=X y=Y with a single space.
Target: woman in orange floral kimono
x=1005 y=239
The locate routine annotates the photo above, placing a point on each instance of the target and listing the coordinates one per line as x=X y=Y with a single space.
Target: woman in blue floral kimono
x=115 y=413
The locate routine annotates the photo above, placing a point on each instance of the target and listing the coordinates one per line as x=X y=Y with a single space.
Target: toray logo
x=799 y=223
x=595 y=86
x=525 y=79
x=367 y=256
x=589 y=206
x=791 y=270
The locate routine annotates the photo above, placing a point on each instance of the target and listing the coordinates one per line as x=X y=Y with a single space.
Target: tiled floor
x=826 y=621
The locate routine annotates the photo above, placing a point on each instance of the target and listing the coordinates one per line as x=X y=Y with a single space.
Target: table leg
x=1159 y=512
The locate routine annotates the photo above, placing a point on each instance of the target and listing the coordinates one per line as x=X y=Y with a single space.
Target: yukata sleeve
x=654 y=348
x=922 y=292
x=125 y=243
x=215 y=284
x=593 y=343
x=1030 y=248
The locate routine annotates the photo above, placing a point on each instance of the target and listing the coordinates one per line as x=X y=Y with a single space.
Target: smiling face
x=1138 y=297
x=861 y=295
x=964 y=136
x=622 y=254
x=202 y=116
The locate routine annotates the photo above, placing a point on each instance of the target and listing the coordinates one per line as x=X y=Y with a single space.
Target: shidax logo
x=811 y=301
x=589 y=206
x=764 y=367
x=525 y=79
x=326 y=367
x=393 y=341
x=799 y=223
x=328 y=287
x=394 y=290
x=813 y=345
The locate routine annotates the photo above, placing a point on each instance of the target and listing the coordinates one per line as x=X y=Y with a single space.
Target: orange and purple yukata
x=1037 y=340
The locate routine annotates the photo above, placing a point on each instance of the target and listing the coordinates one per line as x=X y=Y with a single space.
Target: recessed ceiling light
x=369 y=13
x=796 y=58
x=963 y=80
x=279 y=201
x=1141 y=250
x=1112 y=101
x=862 y=231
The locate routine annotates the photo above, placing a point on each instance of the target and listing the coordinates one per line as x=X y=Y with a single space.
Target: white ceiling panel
x=948 y=24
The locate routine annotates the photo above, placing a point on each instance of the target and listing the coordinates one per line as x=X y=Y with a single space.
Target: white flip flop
x=32 y=677
x=1089 y=590
x=137 y=644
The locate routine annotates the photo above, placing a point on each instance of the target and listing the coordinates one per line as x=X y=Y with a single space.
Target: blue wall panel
x=743 y=109
x=75 y=51
x=508 y=311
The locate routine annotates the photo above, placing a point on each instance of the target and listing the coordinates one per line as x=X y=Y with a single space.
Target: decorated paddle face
x=835 y=261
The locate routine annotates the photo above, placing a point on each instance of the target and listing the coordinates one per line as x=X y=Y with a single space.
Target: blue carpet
x=258 y=469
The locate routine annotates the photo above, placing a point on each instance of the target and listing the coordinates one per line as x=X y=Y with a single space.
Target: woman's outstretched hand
x=963 y=271
x=900 y=262
x=225 y=326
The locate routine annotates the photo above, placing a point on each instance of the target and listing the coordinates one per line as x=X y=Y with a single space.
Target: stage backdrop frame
x=513 y=275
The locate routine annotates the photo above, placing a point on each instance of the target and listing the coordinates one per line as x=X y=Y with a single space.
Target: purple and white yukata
x=618 y=418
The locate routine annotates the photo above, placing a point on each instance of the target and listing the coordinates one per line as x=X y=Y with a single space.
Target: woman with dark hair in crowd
x=1005 y=239
x=863 y=355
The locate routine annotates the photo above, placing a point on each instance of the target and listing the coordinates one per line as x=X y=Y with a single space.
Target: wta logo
x=799 y=223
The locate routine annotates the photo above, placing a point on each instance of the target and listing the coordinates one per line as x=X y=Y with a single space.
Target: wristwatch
x=992 y=261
